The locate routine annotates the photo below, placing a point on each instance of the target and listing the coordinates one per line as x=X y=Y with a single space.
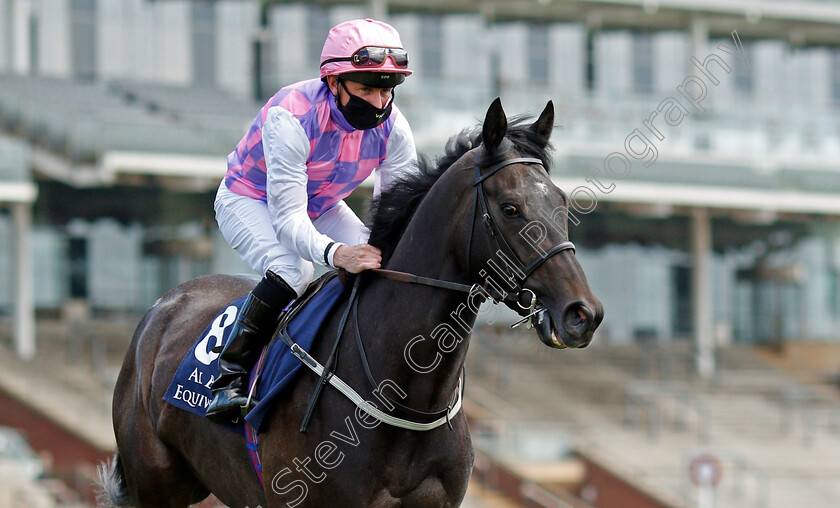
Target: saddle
x=300 y=302
x=277 y=367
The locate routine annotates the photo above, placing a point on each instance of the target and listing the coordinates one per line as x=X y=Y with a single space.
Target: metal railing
x=807 y=404
x=651 y=398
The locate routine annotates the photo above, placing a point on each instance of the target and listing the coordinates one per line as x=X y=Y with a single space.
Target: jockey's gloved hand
x=357 y=258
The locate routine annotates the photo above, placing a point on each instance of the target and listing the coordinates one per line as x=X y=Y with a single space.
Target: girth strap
x=366 y=406
x=405 y=409
x=326 y=375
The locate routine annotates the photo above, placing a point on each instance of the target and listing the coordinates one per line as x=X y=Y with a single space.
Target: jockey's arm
x=286 y=148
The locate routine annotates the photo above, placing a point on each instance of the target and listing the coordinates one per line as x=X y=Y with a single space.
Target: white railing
x=653 y=398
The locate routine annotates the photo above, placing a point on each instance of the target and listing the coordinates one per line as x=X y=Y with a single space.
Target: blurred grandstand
x=717 y=263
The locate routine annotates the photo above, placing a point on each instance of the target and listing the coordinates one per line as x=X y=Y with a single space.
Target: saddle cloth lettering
x=190 y=387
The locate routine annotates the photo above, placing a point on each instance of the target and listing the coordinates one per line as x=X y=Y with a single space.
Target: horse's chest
x=341 y=457
x=432 y=473
x=414 y=471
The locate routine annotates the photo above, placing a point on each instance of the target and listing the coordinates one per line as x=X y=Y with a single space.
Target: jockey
x=280 y=204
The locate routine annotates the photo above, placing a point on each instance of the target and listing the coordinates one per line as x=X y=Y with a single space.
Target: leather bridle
x=520 y=296
x=522 y=270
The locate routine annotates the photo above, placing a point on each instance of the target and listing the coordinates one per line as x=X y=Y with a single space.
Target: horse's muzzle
x=574 y=326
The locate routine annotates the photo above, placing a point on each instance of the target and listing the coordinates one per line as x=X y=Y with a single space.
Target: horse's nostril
x=577 y=318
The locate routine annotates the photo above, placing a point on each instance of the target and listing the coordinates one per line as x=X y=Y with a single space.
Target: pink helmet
x=364 y=45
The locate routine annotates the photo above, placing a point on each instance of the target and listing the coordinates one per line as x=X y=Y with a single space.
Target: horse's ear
x=495 y=126
x=545 y=123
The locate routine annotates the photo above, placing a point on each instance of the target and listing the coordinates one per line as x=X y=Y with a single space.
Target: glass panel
x=431 y=49
x=835 y=77
x=743 y=76
x=538 y=53
x=319 y=26
x=204 y=43
x=643 y=63
x=83 y=36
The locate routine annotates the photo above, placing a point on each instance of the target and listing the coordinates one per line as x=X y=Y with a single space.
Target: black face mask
x=360 y=113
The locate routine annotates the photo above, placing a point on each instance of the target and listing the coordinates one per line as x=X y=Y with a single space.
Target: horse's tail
x=113 y=490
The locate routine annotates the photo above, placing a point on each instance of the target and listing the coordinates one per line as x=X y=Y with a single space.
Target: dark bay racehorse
x=488 y=204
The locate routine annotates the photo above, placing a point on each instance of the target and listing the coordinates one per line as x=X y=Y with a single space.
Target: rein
x=410 y=278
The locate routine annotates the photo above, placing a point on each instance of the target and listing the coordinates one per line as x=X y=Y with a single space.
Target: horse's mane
x=393 y=209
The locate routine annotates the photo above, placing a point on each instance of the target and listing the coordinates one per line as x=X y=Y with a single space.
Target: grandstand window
x=538 y=53
x=835 y=77
x=83 y=37
x=431 y=47
x=744 y=75
x=833 y=288
x=78 y=267
x=590 y=61
x=33 y=45
x=682 y=317
x=643 y=63
x=319 y=24
x=204 y=43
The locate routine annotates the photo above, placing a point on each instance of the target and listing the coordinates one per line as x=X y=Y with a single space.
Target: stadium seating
x=774 y=431
x=84 y=120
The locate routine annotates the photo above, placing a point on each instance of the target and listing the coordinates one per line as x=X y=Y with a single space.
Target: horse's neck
x=421 y=333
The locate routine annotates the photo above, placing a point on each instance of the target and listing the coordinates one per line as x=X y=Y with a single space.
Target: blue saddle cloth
x=189 y=389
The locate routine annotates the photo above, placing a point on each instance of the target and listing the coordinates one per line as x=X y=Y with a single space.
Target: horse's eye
x=510 y=210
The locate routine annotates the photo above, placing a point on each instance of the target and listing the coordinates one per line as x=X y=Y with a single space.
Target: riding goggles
x=373 y=56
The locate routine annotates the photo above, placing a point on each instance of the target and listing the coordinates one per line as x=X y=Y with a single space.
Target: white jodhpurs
x=246 y=225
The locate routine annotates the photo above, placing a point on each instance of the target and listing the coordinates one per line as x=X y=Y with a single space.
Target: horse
x=486 y=217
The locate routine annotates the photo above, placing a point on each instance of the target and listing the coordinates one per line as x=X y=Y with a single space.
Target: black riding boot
x=255 y=323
